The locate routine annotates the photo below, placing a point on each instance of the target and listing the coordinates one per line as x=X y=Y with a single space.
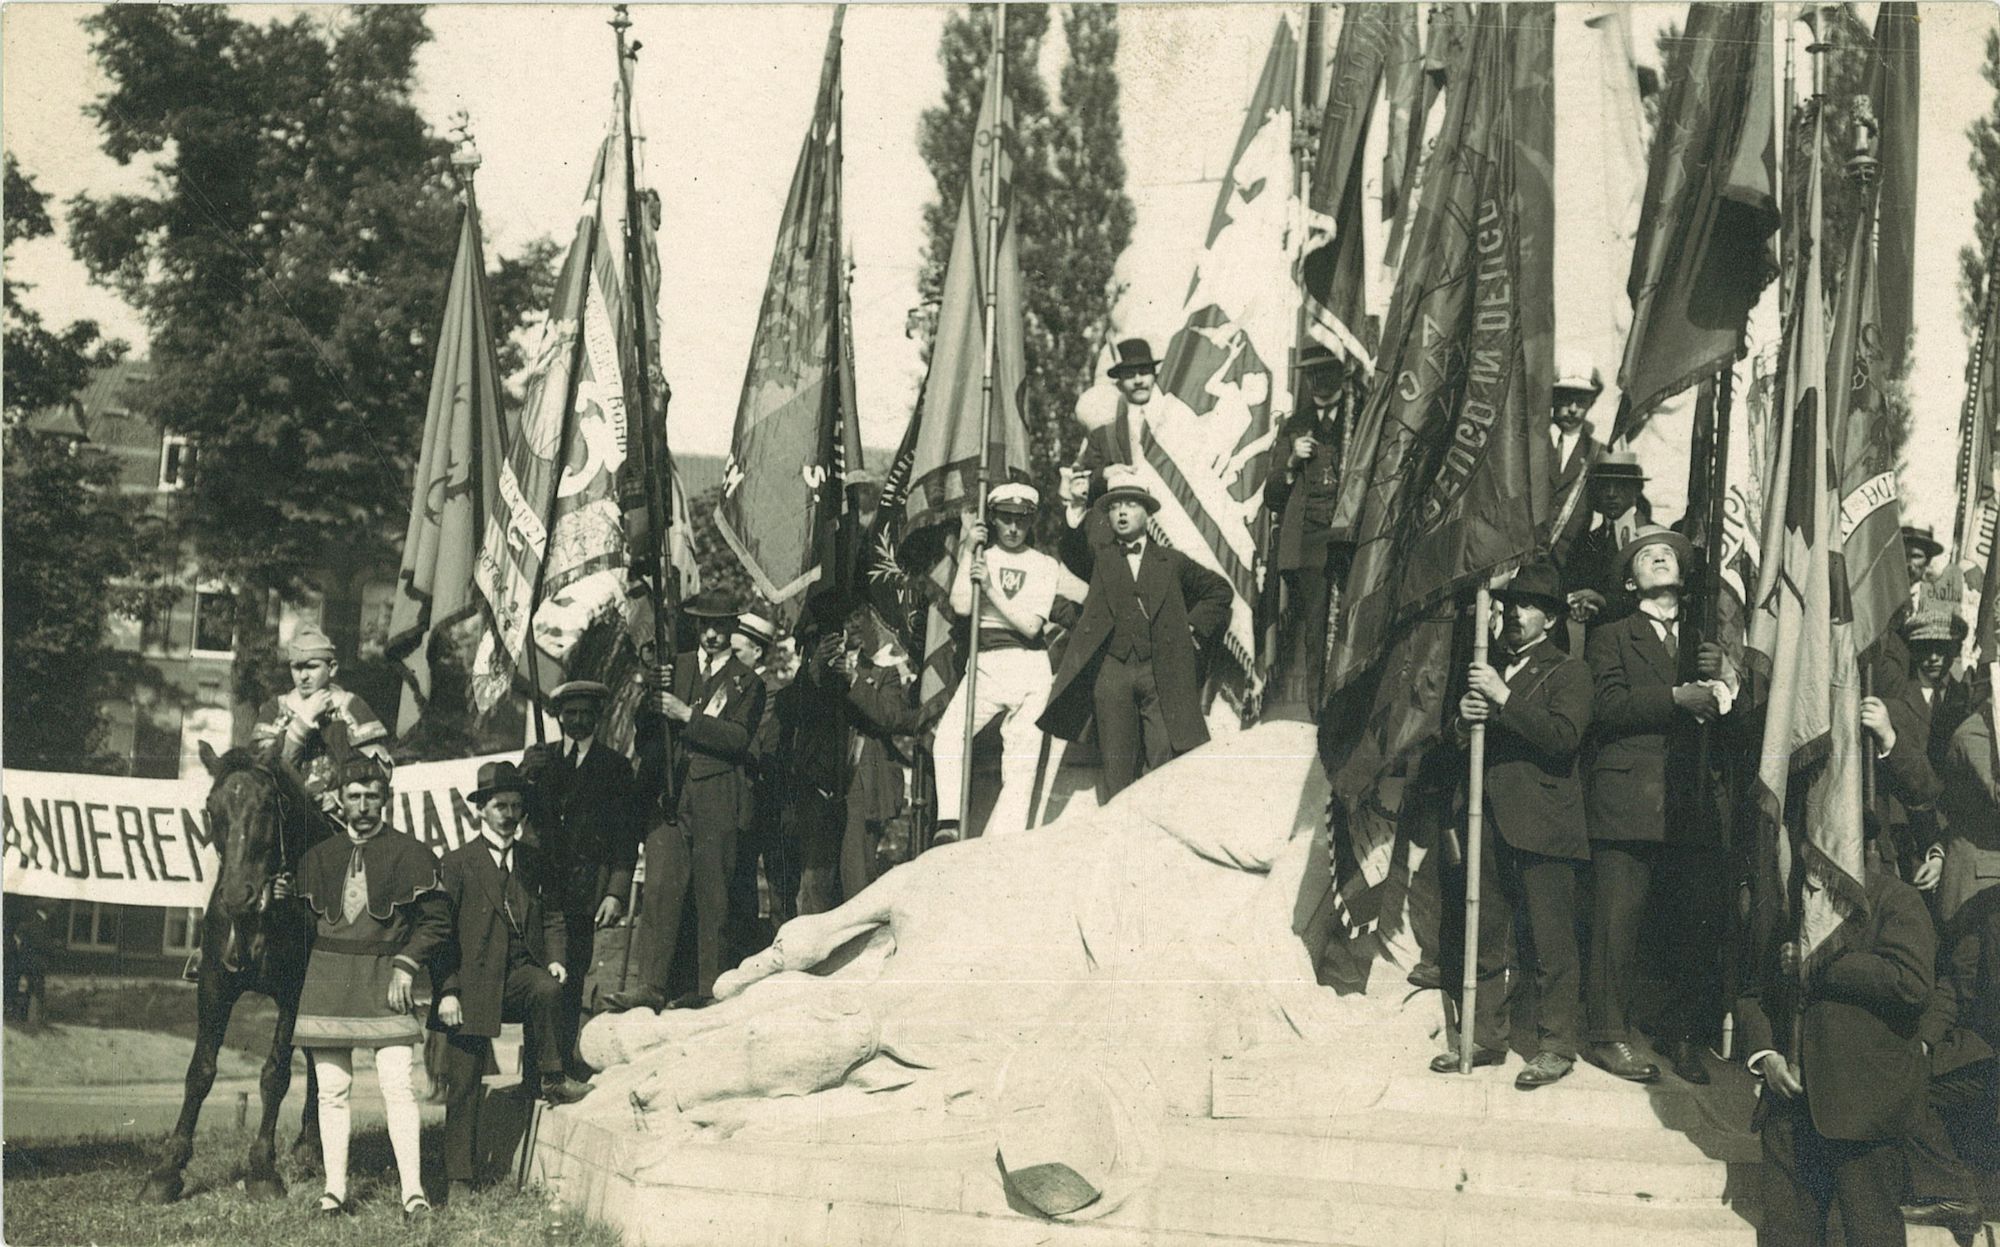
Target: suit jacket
x=486 y=906
x=1305 y=507
x=1572 y=478
x=710 y=752
x=1864 y=1075
x=1906 y=786
x=1644 y=762
x=1533 y=797
x=1172 y=595
x=885 y=713
x=1970 y=809
x=1962 y=1022
x=1104 y=445
x=587 y=821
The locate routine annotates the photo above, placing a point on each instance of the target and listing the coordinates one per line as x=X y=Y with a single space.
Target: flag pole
x=997 y=85
x=1475 y=819
x=1711 y=629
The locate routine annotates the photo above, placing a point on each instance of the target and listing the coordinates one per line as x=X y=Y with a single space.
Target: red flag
x=458 y=472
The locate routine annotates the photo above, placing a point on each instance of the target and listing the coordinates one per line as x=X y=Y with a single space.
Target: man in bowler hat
x=1109 y=436
x=1307 y=557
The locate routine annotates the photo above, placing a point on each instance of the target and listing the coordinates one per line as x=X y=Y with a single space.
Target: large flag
x=1892 y=87
x=1864 y=444
x=458 y=475
x=934 y=479
x=1704 y=252
x=557 y=544
x=1203 y=445
x=1979 y=470
x=1333 y=268
x=1448 y=478
x=1801 y=642
x=784 y=480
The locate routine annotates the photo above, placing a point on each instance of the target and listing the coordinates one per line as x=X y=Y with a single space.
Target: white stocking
x=336 y=1077
x=392 y=1072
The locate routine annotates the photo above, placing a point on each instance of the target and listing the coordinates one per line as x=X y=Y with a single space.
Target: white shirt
x=1026 y=578
x=1135 y=553
x=578 y=749
x=503 y=854
x=1521 y=659
x=1565 y=443
x=1665 y=620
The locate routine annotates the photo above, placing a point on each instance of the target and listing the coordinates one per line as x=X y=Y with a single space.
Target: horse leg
x=305 y=1149
x=260 y=1171
x=214 y=998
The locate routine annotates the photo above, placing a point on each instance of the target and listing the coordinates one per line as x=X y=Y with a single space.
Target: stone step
x=1429 y=1152
x=1588 y=1097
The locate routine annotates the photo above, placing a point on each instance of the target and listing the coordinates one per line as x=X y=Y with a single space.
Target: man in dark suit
x=708 y=704
x=1132 y=662
x=1832 y=1125
x=503 y=963
x=1536 y=705
x=1307 y=558
x=1593 y=580
x=1960 y=1034
x=585 y=817
x=1135 y=376
x=1645 y=817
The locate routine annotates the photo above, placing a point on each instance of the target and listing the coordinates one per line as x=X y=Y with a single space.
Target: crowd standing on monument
x=788 y=758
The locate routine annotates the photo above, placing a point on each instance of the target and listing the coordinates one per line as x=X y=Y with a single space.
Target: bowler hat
x=1122 y=484
x=496 y=778
x=1923 y=538
x=1135 y=355
x=1537 y=582
x=1656 y=535
x=712 y=604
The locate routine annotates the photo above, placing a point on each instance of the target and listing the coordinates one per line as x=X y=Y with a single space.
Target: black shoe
x=1545 y=1068
x=691 y=1000
x=457 y=1193
x=1427 y=977
x=1685 y=1056
x=1963 y=1219
x=1447 y=1062
x=562 y=1089
x=637 y=998
x=331 y=1205
x=1619 y=1059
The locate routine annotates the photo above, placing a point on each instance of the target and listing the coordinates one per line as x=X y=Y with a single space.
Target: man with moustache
x=1535 y=702
x=708 y=703
x=1650 y=834
x=1308 y=560
x=1108 y=433
x=1578 y=385
x=585 y=814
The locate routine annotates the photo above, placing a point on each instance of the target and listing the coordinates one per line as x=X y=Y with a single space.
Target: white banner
x=147 y=841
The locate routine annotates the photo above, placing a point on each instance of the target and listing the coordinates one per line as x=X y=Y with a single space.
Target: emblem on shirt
x=1011 y=580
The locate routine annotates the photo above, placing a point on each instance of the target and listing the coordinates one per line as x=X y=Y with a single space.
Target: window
x=183 y=932
x=93 y=925
x=214 y=621
x=177 y=456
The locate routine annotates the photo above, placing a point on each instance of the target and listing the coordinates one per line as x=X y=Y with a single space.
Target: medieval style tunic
x=377 y=907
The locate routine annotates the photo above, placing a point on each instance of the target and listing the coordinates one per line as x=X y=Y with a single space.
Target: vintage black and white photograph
x=1116 y=625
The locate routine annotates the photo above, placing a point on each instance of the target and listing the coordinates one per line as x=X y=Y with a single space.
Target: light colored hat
x=1618 y=465
x=1123 y=484
x=756 y=627
x=578 y=688
x=1013 y=496
x=1656 y=535
x=1935 y=627
x=1575 y=372
x=307 y=644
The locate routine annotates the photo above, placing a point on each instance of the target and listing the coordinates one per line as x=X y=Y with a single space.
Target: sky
x=725 y=94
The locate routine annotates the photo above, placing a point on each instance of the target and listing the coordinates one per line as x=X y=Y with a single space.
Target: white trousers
x=1013 y=686
x=335 y=1067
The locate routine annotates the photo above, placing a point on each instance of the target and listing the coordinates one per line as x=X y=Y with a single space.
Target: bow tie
x=1135 y=546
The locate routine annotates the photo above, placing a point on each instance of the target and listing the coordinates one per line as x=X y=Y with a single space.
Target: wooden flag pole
x=997 y=87
x=1475 y=819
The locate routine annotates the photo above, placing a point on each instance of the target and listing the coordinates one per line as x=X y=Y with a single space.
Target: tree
x=1984 y=132
x=1069 y=188
x=290 y=265
x=76 y=552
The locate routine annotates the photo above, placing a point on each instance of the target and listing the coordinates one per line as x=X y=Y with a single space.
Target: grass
x=83 y=1192
x=65 y=1055
x=162 y=1007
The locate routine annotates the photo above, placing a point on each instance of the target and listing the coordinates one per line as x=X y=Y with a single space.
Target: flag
x=1979 y=473
x=1333 y=267
x=934 y=479
x=1449 y=475
x=458 y=472
x=784 y=478
x=1202 y=446
x=1892 y=87
x=557 y=544
x=1403 y=94
x=1864 y=444
x=1704 y=252
x=1801 y=643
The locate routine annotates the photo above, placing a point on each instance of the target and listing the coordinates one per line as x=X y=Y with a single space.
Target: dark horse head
x=264 y=821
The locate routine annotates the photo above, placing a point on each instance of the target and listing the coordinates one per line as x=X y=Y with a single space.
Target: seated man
x=1960 y=1033
x=503 y=963
x=1832 y=1127
x=315 y=725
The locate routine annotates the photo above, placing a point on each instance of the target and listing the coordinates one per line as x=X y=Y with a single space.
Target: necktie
x=1134 y=548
